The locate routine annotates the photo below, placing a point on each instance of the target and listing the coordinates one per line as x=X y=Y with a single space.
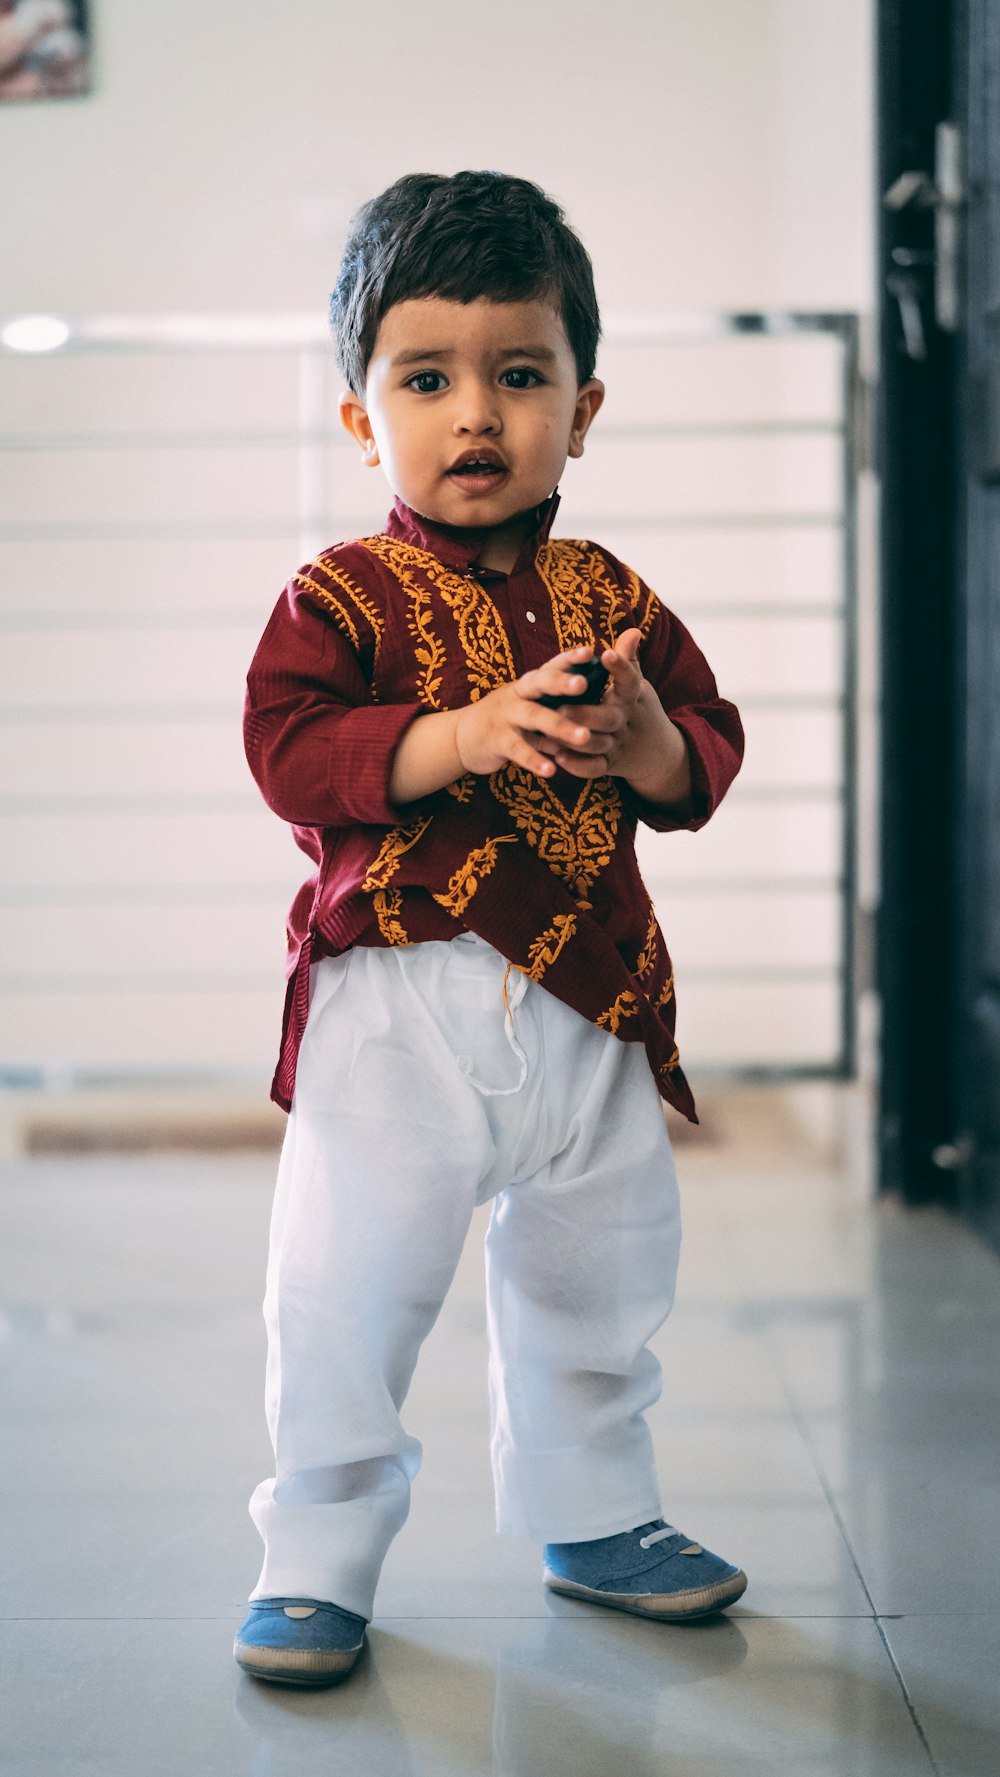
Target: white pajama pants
x=416 y=1099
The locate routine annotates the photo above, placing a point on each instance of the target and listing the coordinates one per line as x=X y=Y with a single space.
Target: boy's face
x=451 y=383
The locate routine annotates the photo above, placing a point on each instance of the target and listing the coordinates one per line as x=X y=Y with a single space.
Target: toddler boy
x=480 y=1002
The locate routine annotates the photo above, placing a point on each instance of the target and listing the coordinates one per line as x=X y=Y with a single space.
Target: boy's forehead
x=435 y=325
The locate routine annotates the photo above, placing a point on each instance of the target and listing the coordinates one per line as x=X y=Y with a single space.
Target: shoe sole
x=291 y=1665
x=664 y=1607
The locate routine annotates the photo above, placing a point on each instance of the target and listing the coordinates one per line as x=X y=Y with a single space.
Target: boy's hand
x=508 y=726
x=617 y=727
x=630 y=734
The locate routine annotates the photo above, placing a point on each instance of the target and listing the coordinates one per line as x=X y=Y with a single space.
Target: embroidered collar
x=458 y=546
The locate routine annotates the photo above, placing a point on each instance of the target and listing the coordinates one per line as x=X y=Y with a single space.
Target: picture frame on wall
x=44 y=49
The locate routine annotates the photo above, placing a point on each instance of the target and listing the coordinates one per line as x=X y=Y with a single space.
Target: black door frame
x=918 y=960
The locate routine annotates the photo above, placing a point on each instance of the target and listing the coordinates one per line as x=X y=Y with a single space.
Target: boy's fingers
x=548 y=681
x=547 y=743
x=554 y=675
x=586 y=746
x=628 y=644
x=623 y=672
x=599 y=718
x=562 y=664
x=585 y=652
x=533 y=761
x=584 y=764
x=563 y=730
x=623 y=663
x=625 y=651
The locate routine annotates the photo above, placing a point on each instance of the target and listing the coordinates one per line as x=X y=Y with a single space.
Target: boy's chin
x=485 y=513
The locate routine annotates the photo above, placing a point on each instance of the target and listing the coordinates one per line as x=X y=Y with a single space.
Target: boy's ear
x=588 y=400
x=354 y=417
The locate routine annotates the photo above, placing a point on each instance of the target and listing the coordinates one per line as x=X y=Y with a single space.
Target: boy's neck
x=496 y=547
x=503 y=543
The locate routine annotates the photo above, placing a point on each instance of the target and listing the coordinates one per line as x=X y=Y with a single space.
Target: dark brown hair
x=460 y=237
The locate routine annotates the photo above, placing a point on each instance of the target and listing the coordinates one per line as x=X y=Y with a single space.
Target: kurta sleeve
x=320 y=748
x=685 y=684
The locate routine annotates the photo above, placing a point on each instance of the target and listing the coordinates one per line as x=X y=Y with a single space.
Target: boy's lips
x=478 y=471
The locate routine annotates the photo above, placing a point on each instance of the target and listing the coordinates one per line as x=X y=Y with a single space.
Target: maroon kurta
x=377 y=631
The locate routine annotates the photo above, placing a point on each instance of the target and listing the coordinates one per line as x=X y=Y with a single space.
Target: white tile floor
x=829 y=1419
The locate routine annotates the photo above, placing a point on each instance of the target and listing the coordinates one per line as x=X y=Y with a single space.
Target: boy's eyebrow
x=543 y=354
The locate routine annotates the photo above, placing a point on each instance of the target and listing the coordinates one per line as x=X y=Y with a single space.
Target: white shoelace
x=656 y=1536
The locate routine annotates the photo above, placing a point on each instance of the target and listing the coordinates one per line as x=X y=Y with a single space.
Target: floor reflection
x=830 y=1419
x=564 y=1706
x=558 y=1699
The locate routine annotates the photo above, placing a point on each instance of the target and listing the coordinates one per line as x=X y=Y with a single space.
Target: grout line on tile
x=589 y=1614
x=805 y=1432
x=592 y=1614
x=907 y=1699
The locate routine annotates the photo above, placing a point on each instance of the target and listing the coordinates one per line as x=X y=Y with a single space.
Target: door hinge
x=945 y=194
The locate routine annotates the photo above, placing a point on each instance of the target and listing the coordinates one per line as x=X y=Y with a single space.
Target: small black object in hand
x=596 y=676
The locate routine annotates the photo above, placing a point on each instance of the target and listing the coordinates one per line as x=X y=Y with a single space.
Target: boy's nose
x=476 y=413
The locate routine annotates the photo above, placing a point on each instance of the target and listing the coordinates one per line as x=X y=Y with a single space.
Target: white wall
x=713 y=153
x=713 y=156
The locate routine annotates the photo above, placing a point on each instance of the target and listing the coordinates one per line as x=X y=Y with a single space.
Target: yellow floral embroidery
x=564 y=568
x=644 y=620
x=481 y=633
x=578 y=843
x=328 y=598
x=396 y=843
x=429 y=649
x=544 y=949
x=665 y=993
x=667 y=1067
x=466 y=879
x=351 y=590
x=625 y=1006
x=359 y=598
x=462 y=787
x=488 y=658
x=617 y=607
x=578 y=577
x=388 y=905
x=647 y=956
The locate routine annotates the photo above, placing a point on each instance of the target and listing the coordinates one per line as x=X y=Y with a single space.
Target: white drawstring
x=510 y=1001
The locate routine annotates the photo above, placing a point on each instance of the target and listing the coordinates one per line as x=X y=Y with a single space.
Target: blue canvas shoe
x=298 y=1641
x=652 y=1571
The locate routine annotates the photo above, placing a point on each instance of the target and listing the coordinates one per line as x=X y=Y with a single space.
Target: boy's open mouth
x=478 y=471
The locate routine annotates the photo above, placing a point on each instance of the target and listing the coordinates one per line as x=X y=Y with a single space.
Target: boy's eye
x=519 y=373
x=426 y=382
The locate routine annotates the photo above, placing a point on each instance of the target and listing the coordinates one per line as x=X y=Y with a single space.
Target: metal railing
x=316 y=442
